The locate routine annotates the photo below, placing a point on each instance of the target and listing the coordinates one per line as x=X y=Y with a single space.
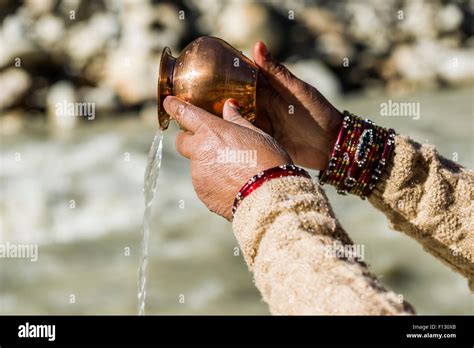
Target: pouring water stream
x=149 y=188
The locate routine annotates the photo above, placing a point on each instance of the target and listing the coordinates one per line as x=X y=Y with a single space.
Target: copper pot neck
x=165 y=85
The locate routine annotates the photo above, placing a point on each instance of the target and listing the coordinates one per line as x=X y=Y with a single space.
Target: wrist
x=333 y=129
x=260 y=178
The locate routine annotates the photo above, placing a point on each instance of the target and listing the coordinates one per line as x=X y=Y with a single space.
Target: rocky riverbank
x=107 y=52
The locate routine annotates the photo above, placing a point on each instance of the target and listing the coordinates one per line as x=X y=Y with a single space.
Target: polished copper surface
x=207 y=73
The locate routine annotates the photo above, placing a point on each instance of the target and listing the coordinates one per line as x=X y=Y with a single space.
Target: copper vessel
x=207 y=73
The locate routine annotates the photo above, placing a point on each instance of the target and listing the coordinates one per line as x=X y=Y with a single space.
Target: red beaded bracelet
x=359 y=156
x=257 y=180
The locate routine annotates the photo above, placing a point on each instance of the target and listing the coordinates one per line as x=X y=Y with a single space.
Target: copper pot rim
x=165 y=85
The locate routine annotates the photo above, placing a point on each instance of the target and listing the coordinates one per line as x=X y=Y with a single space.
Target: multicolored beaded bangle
x=257 y=180
x=359 y=156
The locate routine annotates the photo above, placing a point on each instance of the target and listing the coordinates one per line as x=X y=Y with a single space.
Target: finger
x=232 y=114
x=279 y=77
x=184 y=144
x=188 y=116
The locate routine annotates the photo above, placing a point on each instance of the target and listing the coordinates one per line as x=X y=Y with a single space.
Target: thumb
x=232 y=114
x=280 y=78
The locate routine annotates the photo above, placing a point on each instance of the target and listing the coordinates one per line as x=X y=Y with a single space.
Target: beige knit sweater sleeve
x=290 y=237
x=430 y=199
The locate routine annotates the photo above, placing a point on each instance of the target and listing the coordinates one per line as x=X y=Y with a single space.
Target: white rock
x=88 y=39
x=317 y=75
x=14 y=83
x=14 y=40
x=456 y=66
x=173 y=28
x=449 y=18
x=60 y=94
x=243 y=24
x=132 y=75
x=208 y=10
x=368 y=24
x=131 y=69
x=102 y=97
x=419 y=19
x=416 y=63
x=320 y=20
x=428 y=60
x=335 y=47
x=49 y=31
x=40 y=7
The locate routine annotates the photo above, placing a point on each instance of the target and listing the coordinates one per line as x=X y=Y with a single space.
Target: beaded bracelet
x=257 y=180
x=359 y=156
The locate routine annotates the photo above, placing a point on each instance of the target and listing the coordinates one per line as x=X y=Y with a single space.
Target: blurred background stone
x=14 y=83
x=317 y=74
x=117 y=45
x=61 y=93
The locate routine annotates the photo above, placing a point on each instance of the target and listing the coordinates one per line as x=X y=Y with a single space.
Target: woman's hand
x=224 y=153
x=295 y=113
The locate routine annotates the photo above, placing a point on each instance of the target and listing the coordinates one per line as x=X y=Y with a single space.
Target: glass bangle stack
x=359 y=156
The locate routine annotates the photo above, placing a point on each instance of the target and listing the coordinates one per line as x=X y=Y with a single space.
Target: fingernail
x=173 y=106
x=233 y=104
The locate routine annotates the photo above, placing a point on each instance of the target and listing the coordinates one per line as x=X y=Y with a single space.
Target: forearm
x=431 y=199
x=285 y=229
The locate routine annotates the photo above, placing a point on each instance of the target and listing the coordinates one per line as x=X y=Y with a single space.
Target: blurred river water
x=79 y=197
